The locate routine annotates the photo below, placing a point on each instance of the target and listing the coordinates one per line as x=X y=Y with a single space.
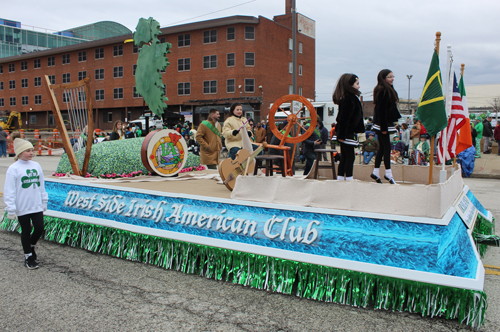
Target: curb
x=485 y=176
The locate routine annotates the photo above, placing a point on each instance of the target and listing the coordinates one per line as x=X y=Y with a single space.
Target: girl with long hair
x=385 y=99
x=349 y=122
x=118 y=131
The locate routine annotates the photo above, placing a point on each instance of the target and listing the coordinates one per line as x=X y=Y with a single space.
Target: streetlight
x=409 y=78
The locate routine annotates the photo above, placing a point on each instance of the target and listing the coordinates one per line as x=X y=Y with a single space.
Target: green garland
x=305 y=280
x=483 y=229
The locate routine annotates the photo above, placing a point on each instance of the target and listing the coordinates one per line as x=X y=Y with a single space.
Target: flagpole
x=462 y=66
x=431 y=162
x=444 y=132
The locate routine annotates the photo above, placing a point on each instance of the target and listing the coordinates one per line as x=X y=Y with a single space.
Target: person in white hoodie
x=25 y=198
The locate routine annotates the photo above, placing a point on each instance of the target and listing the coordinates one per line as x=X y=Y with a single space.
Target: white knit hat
x=21 y=145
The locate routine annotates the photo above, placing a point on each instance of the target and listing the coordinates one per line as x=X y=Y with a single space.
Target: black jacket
x=350 y=117
x=386 y=113
x=487 y=129
x=308 y=145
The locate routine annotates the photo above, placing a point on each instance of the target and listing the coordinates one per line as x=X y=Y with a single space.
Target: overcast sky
x=361 y=36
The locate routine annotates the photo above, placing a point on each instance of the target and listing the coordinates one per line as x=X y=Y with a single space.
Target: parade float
x=411 y=247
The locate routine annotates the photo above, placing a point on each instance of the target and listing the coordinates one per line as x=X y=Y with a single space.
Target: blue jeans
x=367 y=157
x=233 y=151
x=3 y=149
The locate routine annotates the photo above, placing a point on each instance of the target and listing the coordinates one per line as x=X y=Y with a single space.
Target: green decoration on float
x=116 y=157
x=305 y=280
x=152 y=59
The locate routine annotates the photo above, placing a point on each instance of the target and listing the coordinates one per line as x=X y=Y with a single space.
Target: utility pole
x=294 y=48
x=409 y=79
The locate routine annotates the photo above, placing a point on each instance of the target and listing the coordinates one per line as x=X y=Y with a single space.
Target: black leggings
x=384 y=150
x=28 y=239
x=346 y=164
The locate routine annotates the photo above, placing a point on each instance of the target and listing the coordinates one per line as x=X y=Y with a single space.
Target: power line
x=217 y=11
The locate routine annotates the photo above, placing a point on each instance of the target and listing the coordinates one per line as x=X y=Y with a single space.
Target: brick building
x=212 y=63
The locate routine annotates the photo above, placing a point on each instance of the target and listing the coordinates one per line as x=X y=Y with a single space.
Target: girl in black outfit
x=386 y=113
x=349 y=122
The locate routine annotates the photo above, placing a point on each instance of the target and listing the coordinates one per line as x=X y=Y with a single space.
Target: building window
x=12 y=67
x=209 y=36
x=52 y=79
x=290 y=67
x=82 y=75
x=33 y=119
x=99 y=94
x=249 y=59
x=134 y=67
x=135 y=49
x=209 y=87
x=117 y=50
x=184 y=40
x=184 y=64
x=1 y=69
x=24 y=65
x=230 y=33
x=66 y=78
x=24 y=82
x=300 y=91
x=135 y=94
x=231 y=59
x=231 y=88
x=12 y=101
x=12 y=84
x=51 y=119
x=249 y=85
x=118 y=93
x=300 y=48
x=82 y=56
x=184 y=89
x=81 y=96
x=2 y=102
x=290 y=44
x=37 y=63
x=117 y=72
x=209 y=61
x=1 y=86
x=24 y=100
x=37 y=81
x=163 y=40
x=290 y=89
x=110 y=116
x=99 y=74
x=250 y=33
x=38 y=99
x=51 y=61
x=66 y=58
x=66 y=97
x=99 y=53
x=300 y=70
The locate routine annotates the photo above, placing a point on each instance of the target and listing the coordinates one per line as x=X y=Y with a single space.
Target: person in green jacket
x=479 y=130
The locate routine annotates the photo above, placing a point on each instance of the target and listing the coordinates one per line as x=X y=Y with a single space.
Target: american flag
x=455 y=122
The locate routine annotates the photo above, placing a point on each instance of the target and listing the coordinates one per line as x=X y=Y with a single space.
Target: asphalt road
x=76 y=290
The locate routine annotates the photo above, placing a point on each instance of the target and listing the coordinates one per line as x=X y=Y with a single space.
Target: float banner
x=400 y=244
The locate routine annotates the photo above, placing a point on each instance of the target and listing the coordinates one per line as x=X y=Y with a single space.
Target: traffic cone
x=55 y=134
x=22 y=133
x=37 y=133
x=50 y=146
x=39 y=146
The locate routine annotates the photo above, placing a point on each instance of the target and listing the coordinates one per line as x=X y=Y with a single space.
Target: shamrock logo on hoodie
x=31 y=178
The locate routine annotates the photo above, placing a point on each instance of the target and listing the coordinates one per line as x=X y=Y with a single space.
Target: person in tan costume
x=208 y=136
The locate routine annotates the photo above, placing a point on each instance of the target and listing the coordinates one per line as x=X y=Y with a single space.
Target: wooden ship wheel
x=295 y=130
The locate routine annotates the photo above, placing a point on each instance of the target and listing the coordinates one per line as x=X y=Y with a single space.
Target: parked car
x=154 y=122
